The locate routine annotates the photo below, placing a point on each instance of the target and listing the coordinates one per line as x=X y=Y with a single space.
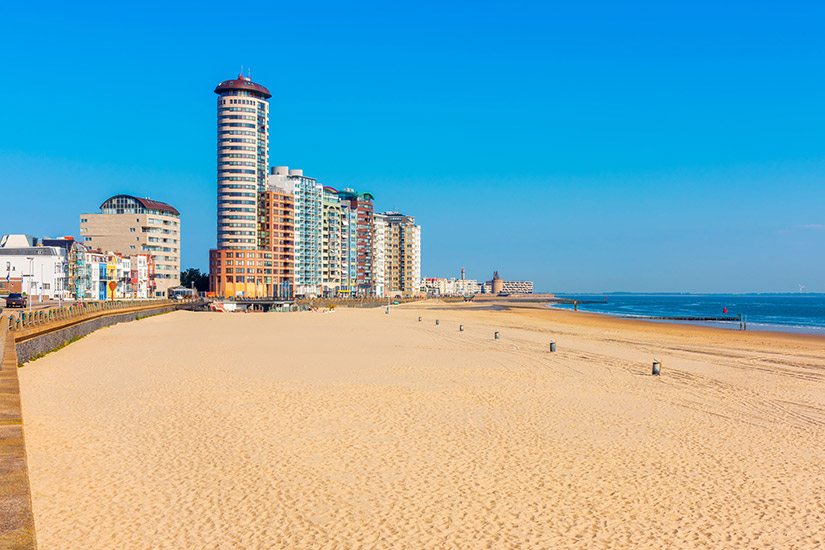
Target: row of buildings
x=437 y=286
x=65 y=268
x=282 y=234
x=129 y=249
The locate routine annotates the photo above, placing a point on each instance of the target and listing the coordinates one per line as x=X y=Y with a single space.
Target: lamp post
x=60 y=284
x=31 y=280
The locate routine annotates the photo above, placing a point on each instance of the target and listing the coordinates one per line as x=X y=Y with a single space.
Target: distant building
x=518 y=287
x=451 y=287
x=401 y=262
x=498 y=285
x=132 y=225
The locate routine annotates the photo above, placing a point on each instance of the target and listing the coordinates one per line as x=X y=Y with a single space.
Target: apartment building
x=379 y=254
x=132 y=225
x=332 y=261
x=308 y=197
x=276 y=234
x=243 y=160
x=357 y=214
x=402 y=254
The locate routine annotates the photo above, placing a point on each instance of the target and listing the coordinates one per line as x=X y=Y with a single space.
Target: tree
x=193 y=277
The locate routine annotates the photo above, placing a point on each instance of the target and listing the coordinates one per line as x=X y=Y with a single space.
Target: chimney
x=462 y=273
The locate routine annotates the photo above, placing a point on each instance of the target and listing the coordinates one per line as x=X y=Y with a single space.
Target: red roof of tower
x=242 y=83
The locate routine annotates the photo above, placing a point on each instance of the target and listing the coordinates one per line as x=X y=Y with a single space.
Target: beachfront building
x=307 y=193
x=32 y=268
x=132 y=225
x=402 y=255
x=349 y=251
x=276 y=234
x=112 y=276
x=518 y=287
x=433 y=286
x=357 y=248
x=380 y=251
x=498 y=285
x=243 y=160
x=331 y=241
x=76 y=255
x=247 y=274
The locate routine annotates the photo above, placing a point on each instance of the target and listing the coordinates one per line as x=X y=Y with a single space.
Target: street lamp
x=31 y=280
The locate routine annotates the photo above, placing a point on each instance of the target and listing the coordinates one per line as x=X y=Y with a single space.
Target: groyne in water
x=26 y=338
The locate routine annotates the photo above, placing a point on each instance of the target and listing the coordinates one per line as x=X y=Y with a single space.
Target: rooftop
x=146 y=203
x=242 y=83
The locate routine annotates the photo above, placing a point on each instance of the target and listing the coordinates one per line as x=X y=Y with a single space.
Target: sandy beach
x=357 y=429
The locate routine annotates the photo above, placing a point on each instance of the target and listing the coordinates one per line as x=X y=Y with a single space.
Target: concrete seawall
x=19 y=346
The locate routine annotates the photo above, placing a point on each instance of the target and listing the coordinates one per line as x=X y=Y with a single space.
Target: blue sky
x=588 y=146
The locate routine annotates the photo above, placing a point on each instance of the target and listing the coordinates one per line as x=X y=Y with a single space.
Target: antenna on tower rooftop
x=241 y=71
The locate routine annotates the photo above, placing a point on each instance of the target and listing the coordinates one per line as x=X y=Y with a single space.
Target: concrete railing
x=27 y=320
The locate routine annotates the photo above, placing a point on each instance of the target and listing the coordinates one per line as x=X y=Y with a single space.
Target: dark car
x=15 y=299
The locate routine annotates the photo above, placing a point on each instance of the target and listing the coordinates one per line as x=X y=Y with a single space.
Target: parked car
x=15 y=299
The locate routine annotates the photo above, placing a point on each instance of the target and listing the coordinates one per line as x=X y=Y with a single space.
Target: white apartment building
x=379 y=254
x=41 y=271
x=308 y=194
x=331 y=268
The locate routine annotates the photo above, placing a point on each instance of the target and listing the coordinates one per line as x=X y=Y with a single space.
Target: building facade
x=357 y=215
x=276 y=234
x=402 y=255
x=332 y=273
x=132 y=225
x=37 y=270
x=243 y=160
x=308 y=196
x=379 y=253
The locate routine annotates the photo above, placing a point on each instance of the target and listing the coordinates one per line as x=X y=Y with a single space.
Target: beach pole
x=657 y=367
x=553 y=346
x=460 y=328
x=496 y=335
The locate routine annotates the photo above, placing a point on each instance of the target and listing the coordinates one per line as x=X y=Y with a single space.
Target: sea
x=800 y=313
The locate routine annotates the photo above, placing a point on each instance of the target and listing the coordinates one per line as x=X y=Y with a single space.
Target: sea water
x=803 y=313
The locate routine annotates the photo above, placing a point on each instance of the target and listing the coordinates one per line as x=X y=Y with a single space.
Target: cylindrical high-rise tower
x=243 y=160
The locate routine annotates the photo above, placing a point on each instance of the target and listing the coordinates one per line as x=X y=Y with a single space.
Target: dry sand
x=359 y=429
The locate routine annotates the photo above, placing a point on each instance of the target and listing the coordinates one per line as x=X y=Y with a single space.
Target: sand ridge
x=359 y=429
